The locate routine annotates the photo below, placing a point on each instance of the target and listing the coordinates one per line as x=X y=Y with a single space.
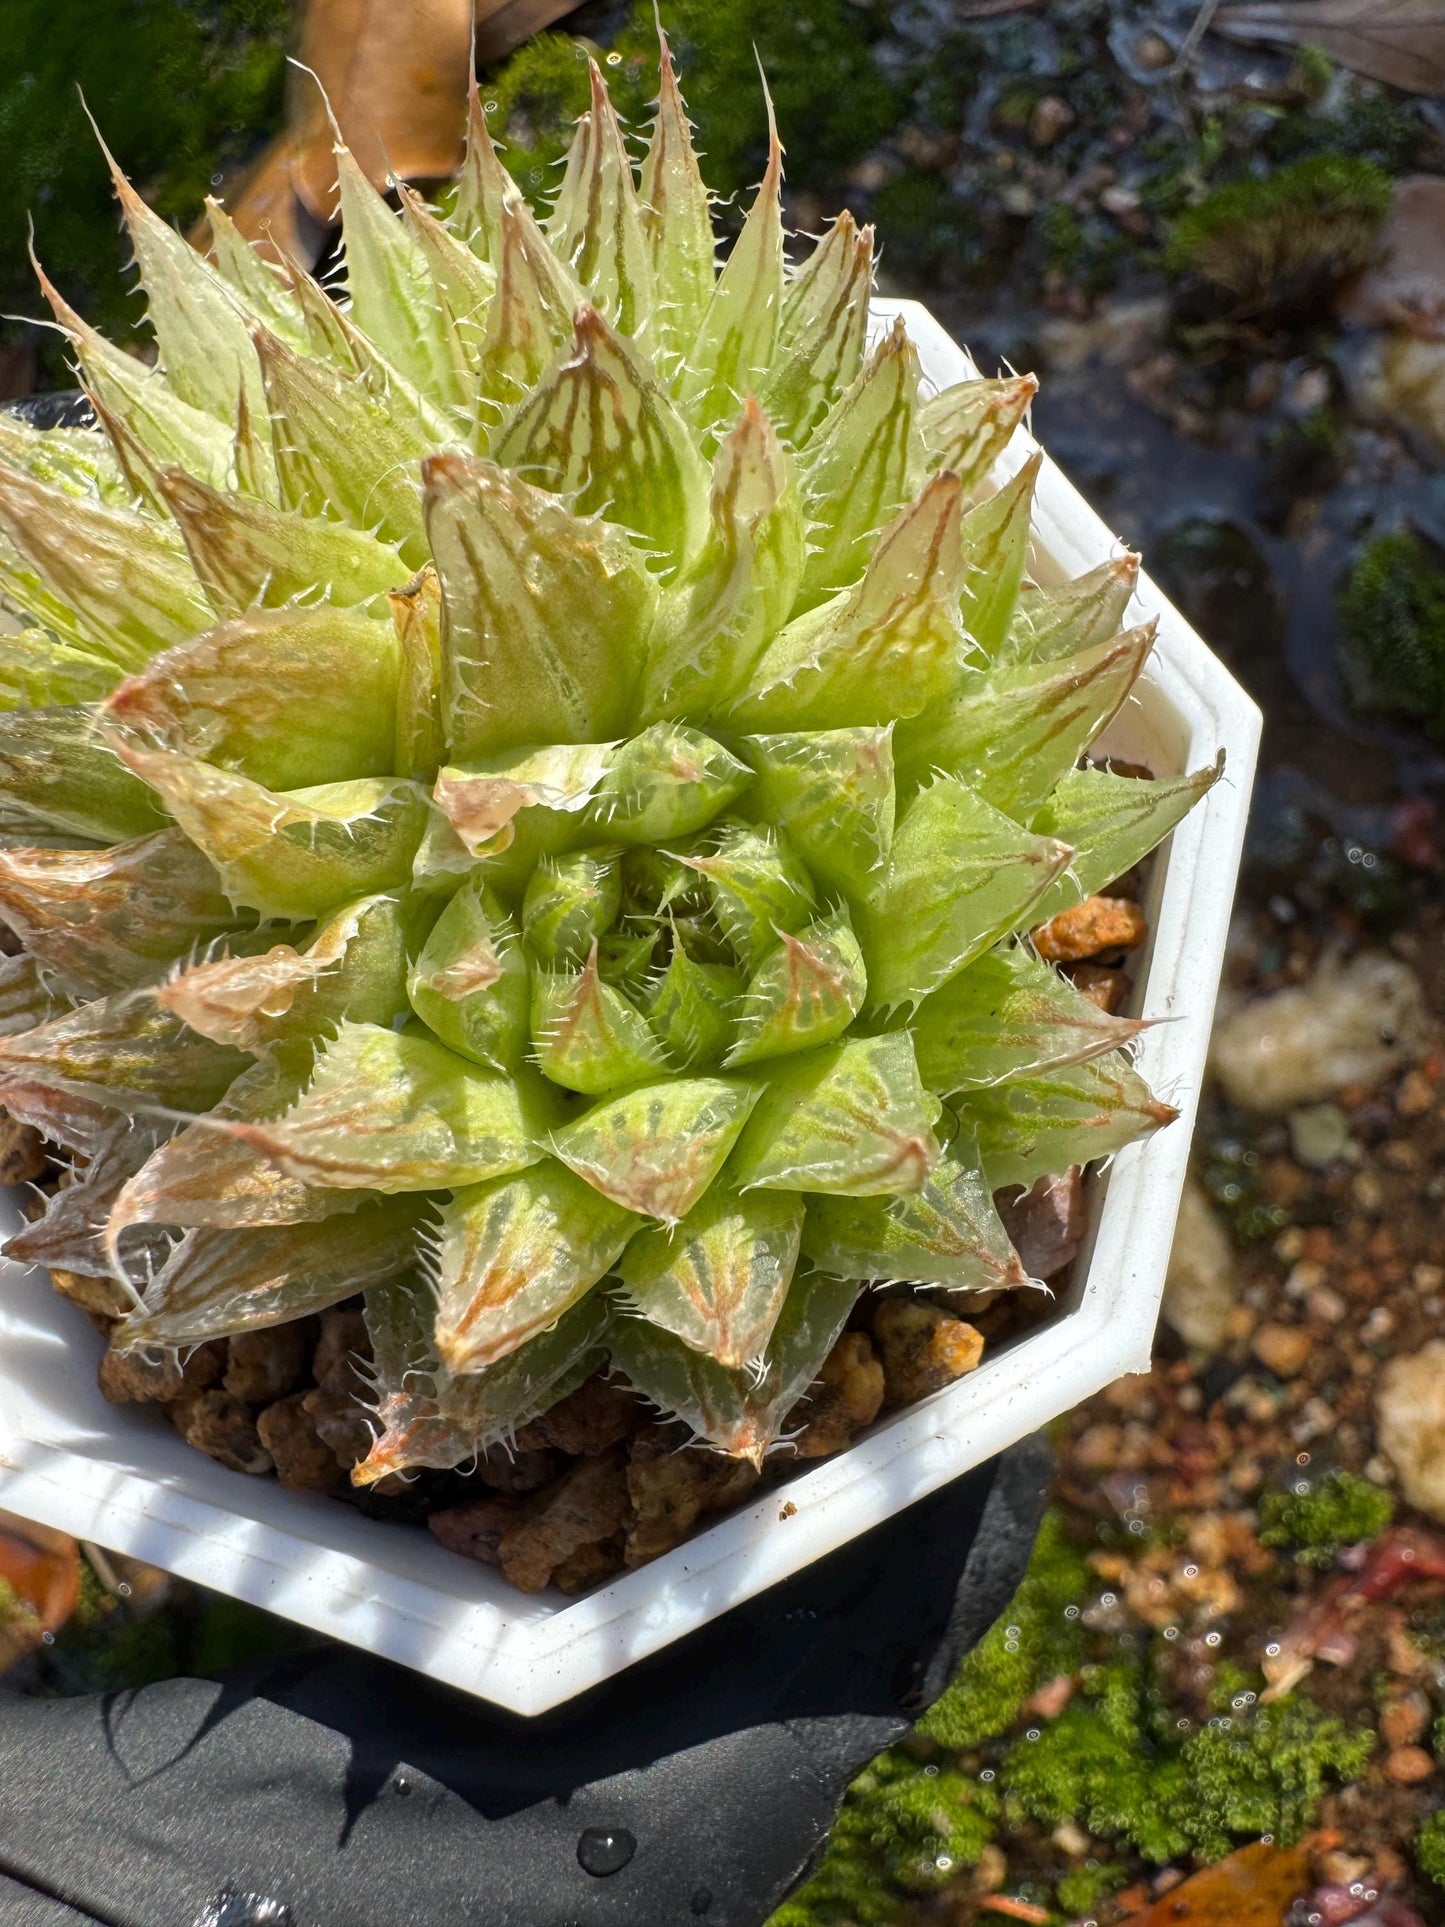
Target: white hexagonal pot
x=122 y=1477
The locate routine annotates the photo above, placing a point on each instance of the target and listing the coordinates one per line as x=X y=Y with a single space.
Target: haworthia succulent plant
x=525 y=789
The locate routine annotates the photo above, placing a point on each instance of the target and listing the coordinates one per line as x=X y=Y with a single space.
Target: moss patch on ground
x=180 y=92
x=1392 y=615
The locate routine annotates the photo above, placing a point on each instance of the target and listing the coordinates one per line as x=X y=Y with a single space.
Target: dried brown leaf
x=1398 y=41
x=1252 y=1888
x=396 y=80
x=505 y=24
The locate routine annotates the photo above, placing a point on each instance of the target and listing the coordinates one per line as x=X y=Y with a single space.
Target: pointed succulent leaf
x=218 y=1283
x=257 y=283
x=483 y=186
x=487 y=805
x=246 y=553
x=463 y=287
x=665 y=784
x=292 y=855
x=853 y=1120
x=427 y=1416
x=995 y=543
x=354 y=966
x=625 y=958
x=857 y=468
x=393 y=1111
x=516 y=1253
x=961 y=875
x=1113 y=823
x=393 y=300
x=58 y=775
x=419 y=741
x=529 y=321
x=73 y=1117
x=733 y=349
x=718 y=1279
x=27 y=997
x=1049 y=623
x=142 y=400
x=79 y=461
x=70 y=1232
x=200 y=328
x=1009 y=1015
x=287 y=697
x=483 y=1408
x=596 y=224
x=203 y=1176
x=804 y=993
x=758 y=888
x=739 y=1412
x=676 y=224
x=570 y=901
x=1038 y=1126
x=126 y=578
x=1013 y=730
x=714 y=622
x=122 y=1051
x=657 y=1149
x=600 y=429
x=887 y=648
x=689 y=1008
x=38 y=671
x=587 y=1036
x=116 y=918
x=968 y=426
x=824 y=326
x=470 y=982
x=546 y=612
x=834 y=790
x=345 y=447
x=948 y=1234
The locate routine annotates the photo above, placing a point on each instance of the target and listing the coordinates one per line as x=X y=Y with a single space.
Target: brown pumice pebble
x=224 y=1429
x=923 y=1347
x=156 y=1377
x=266 y=1365
x=847 y=1396
x=1091 y=928
x=304 y=1462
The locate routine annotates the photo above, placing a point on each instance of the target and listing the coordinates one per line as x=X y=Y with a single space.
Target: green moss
x=1430 y=1849
x=903 y=1830
x=1030 y=1643
x=17 y=1615
x=181 y=93
x=1392 y=615
x=1369 y=127
x=1342 y=1509
x=1274 y=243
x=1099 y=1764
x=1080 y=1891
x=532 y=103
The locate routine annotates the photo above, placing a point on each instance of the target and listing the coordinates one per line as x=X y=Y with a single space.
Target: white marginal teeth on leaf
x=523 y=790
x=596 y=224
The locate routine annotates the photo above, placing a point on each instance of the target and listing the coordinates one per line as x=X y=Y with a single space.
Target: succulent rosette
x=525 y=789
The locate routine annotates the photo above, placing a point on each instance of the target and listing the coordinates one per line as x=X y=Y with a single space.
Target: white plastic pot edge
x=531 y=1655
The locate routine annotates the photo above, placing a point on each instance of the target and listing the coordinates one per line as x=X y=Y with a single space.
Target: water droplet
x=944 y=1862
x=930 y=1772
x=231 y=1909
x=1171 y=1632
x=614 y=60
x=402 y=1783
x=490 y=108
x=1183 y=1725
x=701 y=1900
x=1303 y=1459
x=1032 y=1734
x=605 y=1850
x=1191 y=1572
x=1071 y=1612
x=1107 y=1599
x=986 y=1775
x=47 y=1638
x=1302 y=1487
x=1012 y=1632
x=1212 y=1639
x=122 y=1591
x=1272 y=1650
